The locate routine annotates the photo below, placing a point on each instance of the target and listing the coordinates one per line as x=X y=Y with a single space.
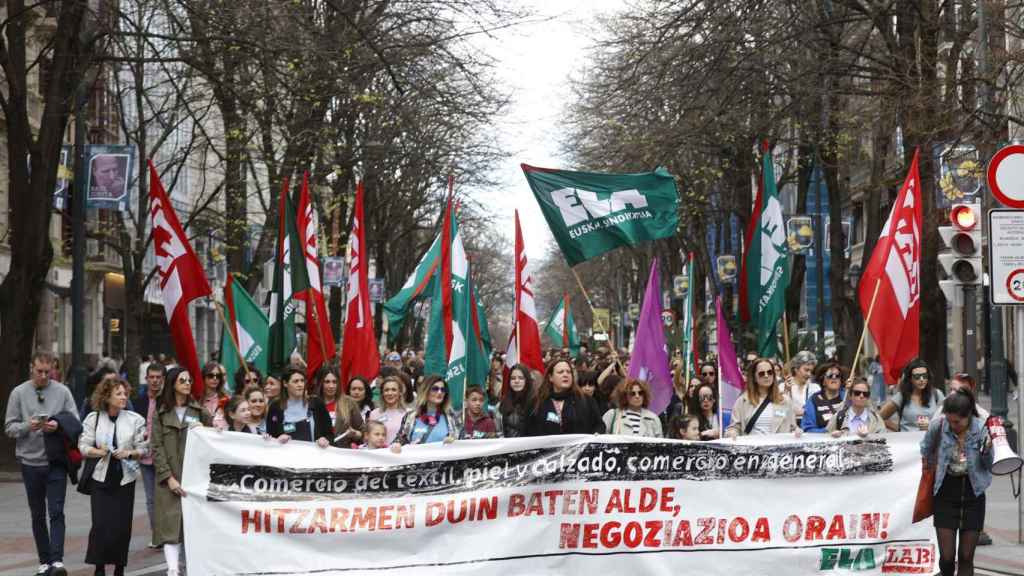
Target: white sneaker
x=43 y=569
x=57 y=569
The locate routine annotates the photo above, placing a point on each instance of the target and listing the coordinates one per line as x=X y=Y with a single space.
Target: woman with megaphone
x=958 y=447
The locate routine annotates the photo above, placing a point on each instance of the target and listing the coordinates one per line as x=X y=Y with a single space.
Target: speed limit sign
x=1006 y=255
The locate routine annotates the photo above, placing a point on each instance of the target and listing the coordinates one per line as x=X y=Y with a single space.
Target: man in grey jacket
x=30 y=411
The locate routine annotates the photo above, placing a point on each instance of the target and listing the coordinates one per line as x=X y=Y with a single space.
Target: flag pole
x=867 y=321
x=785 y=335
x=311 y=301
x=231 y=335
x=586 y=297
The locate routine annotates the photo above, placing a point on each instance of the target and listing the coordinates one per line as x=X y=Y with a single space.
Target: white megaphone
x=1004 y=459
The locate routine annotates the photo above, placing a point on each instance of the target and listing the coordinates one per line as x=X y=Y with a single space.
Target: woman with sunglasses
x=298 y=416
x=915 y=401
x=762 y=408
x=431 y=419
x=245 y=378
x=561 y=407
x=215 y=396
x=704 y=407
x=859 y=415
x=631 y=417
x=177 y=413
x=823 y=405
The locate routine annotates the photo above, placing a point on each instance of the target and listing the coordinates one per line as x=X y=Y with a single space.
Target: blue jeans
x=46 y=487
x=149 y=483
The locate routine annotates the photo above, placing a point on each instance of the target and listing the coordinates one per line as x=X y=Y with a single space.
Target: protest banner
x=568 y=504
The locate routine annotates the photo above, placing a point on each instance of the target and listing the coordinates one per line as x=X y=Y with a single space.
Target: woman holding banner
x=631 y=416
x=514 y=407
x=177 y=413
x=762 y=408
x=561 y=407
x=299 y=416
x=958 y=446
x=432 y=419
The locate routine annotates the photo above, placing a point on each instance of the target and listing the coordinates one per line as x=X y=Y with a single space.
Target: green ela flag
x=419 y=285
x=466 y=362
x=289 y=279
x=590 y=213
x=561 y=328
x=768 y=271
x=247 y=326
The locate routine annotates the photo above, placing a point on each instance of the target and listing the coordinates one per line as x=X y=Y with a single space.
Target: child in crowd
x=479 y=424
x=376 y=436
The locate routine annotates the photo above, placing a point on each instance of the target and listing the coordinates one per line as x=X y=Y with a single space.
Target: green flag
x=590 y=213
x=289 y=278
x=455 y=345
x=419 y=285
x=245 y=333
x=768 y=268
x=561 y=328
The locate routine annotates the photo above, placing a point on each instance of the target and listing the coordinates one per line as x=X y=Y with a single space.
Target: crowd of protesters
x=126 y=433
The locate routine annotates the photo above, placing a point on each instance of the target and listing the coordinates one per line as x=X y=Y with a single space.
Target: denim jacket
x=979 y=458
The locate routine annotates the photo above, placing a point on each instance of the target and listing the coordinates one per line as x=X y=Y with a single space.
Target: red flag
x=182 y=279
x=446 y=269
x=359 y=354
x=524 y=342
x=894 y=271
x=320 y=344
x=755 y=215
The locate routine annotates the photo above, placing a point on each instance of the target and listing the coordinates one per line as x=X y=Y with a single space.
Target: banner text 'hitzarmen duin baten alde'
x=598 y=504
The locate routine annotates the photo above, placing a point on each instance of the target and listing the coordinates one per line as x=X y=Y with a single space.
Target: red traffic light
x=963 y=217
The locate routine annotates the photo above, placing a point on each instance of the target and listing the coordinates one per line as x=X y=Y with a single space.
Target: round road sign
x=1015 y=284
x=1006 y=175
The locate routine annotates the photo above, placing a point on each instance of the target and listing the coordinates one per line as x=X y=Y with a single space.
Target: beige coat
x=131 y=435
x=168 y=444
x=875 y=423
x=783 y=416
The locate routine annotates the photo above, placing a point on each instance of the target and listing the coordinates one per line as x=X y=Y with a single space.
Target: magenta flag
x=649 y=360
x=730 y=381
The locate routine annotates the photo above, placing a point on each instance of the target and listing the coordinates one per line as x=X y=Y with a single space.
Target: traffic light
x=961 y=262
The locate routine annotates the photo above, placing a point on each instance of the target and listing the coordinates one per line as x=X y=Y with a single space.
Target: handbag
x=85 y=481
x=924 y=504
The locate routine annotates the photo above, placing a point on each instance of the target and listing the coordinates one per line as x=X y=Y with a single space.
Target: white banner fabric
x=590 y=505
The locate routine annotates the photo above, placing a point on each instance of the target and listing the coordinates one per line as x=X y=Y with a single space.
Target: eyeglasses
x=637 y=393
x=835 y=375
x=214 y=375
x=919 y=375
x=861 y=393
x=706 y=398
x=438 y=389
x=762 y=373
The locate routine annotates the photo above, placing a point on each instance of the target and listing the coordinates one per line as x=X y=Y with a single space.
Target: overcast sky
x=536 y=62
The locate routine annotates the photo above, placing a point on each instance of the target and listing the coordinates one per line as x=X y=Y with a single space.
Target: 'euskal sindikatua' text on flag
x=591 y=213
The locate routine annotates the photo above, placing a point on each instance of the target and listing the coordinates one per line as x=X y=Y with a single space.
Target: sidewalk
x=18 y=550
